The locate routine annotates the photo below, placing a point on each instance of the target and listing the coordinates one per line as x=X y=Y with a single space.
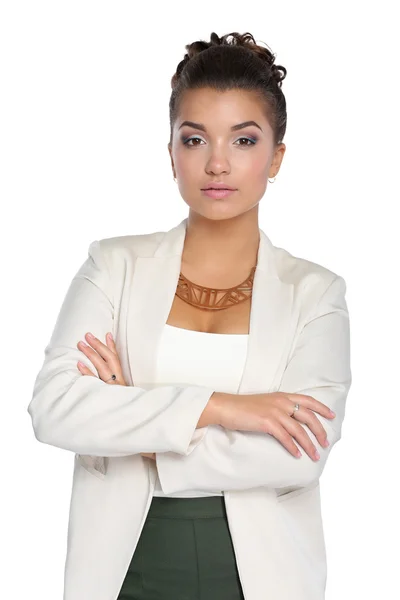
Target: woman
x=230 y=355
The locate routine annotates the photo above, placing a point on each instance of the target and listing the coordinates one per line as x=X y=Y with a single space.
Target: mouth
x=230 y=189
x=218 y=192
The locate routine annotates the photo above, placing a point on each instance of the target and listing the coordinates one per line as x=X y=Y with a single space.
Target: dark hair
x=238 y=63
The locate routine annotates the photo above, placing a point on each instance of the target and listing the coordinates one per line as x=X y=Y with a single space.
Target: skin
x=222 y=235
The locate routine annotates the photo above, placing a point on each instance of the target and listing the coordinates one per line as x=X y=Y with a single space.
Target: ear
x=277 y=160
x=172 y=160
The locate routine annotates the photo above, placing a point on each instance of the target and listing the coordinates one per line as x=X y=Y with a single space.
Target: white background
x=84 y=133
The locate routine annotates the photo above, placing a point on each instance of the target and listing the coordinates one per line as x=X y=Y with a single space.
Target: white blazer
x=299 y=342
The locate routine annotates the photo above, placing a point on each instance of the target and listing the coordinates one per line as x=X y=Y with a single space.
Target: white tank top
x=187 y=357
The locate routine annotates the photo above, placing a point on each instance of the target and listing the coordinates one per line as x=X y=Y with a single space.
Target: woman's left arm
x=237 y=460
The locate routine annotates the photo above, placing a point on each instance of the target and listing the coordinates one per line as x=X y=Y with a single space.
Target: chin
x=221 y=213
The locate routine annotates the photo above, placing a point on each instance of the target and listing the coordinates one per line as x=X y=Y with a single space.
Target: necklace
x=205 y=298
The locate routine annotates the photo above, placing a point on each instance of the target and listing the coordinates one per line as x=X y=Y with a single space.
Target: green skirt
x=184 y=552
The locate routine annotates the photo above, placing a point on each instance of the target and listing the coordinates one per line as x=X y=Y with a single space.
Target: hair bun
x=245 y=40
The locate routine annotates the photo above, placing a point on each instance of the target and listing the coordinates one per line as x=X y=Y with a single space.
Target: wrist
x=217 y=401
x=212 y=414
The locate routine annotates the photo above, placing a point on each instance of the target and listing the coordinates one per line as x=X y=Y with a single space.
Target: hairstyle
x=238 y=63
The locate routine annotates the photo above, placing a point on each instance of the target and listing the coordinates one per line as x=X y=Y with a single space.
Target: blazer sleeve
x=90 y=417
x=237 y=460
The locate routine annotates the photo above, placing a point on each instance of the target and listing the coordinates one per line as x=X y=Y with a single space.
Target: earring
x=273 y=180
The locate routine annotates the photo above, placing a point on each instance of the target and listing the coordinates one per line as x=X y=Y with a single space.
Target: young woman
x=202 y=424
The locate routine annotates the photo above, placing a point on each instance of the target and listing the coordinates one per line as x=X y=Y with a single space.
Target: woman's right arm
x=85 y=414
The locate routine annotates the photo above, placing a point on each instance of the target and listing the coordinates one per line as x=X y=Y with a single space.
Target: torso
x=235 y=319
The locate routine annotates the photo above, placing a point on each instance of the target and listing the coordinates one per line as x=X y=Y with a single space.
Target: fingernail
x=326 y=443
x=110 y=337
x=90 y=335
x=332 y=413
x=80 y=364
x=317 y=455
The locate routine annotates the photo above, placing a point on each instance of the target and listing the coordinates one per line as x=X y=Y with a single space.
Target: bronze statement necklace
x=206 y=298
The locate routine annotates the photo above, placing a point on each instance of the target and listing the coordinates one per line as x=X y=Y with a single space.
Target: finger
x=101 y=366
x=314 y=424
x=117 y=369
x=299 y=433
x=307 y=416
x=111 y=343
x=277 y=431
x=102 y=349
x=108 y=354
x=105 y=360
x=84 y=369
x=313 y=404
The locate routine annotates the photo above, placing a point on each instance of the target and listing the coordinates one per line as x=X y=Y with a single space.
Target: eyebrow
x=233 y=128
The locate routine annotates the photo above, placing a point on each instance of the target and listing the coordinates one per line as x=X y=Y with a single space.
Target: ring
x=296 y=407
x=113 y=377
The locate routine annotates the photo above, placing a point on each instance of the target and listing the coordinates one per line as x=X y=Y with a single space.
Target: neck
x=228 y=244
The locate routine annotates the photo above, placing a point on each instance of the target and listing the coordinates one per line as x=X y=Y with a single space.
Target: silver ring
x=296 y=407
x=113 y=377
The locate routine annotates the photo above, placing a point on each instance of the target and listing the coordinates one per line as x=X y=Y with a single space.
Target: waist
x=187 y=508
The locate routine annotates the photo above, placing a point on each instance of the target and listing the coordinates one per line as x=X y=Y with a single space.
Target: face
x=212 y=149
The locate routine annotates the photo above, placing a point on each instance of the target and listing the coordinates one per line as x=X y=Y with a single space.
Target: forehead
x=229 y=107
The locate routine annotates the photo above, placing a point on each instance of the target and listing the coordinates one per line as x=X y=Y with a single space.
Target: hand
x=104 y=358
x=271 y=413
x=107 y=362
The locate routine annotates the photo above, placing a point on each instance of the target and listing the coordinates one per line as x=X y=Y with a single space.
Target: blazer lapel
x=152 y=293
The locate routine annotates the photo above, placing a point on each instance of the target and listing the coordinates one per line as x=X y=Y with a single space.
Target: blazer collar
x=152 y=291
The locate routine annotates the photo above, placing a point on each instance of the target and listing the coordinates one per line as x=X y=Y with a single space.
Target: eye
x=251 y=140
x=187 y=140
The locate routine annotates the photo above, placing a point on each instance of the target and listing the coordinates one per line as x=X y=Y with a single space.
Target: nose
x=217 y=163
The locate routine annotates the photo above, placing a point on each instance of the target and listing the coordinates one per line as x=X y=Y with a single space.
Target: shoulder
x=293 y=268
x=311 y=280
x=129 y=246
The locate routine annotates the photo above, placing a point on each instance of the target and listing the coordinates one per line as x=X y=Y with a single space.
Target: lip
x=217 y=193
x=218 y=185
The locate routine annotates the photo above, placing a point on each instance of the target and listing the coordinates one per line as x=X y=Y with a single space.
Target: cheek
x=253 y=178
x=185 y=163
x=256 y=168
